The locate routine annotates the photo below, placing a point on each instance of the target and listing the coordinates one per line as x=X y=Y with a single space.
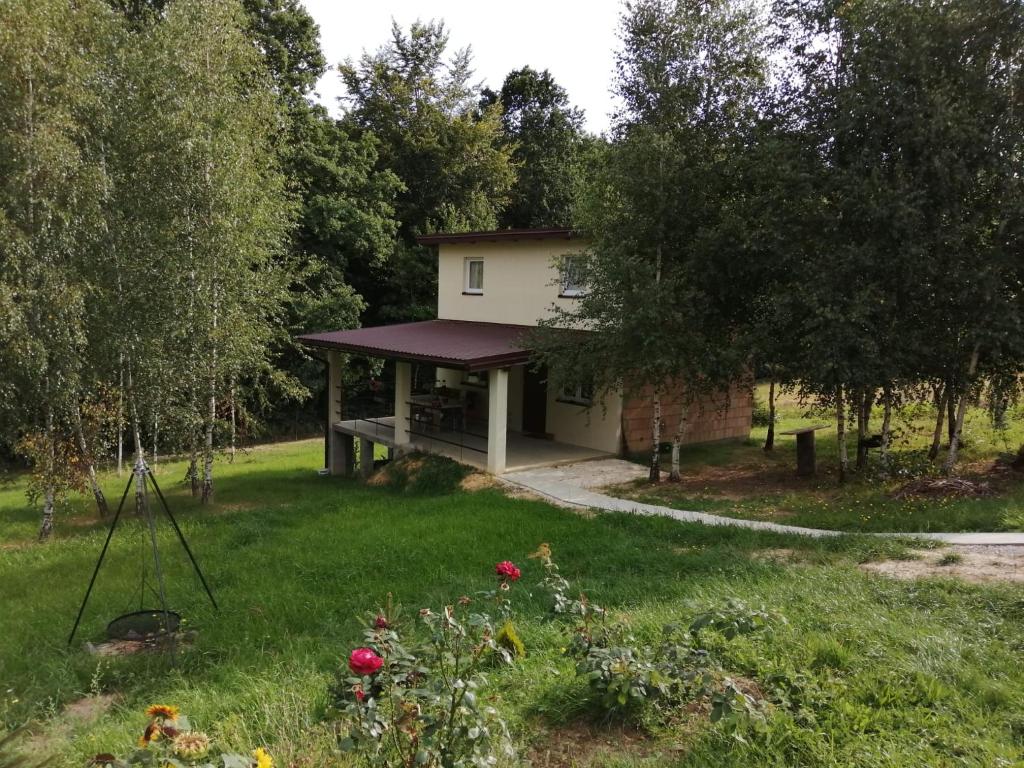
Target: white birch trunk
x=120 y=415
x=83 y=448
x=886 y=427
x=769 y=438
x=49 y=494
x=655 y=473
x=954 y=443
x=192 y=475
x=844 y=461
x=677 y=442
x=207 y=495
x=231 y=455
x=943 y=394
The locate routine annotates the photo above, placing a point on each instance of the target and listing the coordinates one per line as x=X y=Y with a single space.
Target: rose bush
x=417 y=703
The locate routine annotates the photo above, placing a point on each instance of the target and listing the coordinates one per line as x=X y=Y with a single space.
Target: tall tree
x=50 y=190
x=449 y=155
x=667 y=298
x=548 y=144
x=905 y=115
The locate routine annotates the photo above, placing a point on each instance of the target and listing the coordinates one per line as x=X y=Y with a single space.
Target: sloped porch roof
x=458 y=344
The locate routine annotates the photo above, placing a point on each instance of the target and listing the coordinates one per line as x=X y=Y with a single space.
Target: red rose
x=360 y=694
x=381 y=622
x=363 y=661
x=507 y=570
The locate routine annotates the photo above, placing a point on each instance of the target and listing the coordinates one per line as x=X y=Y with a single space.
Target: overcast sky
x=575 y=39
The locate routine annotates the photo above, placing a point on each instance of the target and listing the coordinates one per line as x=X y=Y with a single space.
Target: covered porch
x=469 y=413
x=521 y=451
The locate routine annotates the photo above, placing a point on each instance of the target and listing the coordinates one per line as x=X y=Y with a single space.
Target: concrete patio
x=521 y=452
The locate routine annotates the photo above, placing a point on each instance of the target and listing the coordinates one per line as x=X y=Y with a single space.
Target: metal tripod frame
x=142 y=472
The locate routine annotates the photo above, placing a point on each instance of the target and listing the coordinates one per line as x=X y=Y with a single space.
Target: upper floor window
x=572 y=276
x=474 y=278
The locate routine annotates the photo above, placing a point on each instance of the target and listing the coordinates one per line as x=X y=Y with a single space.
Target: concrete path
x=578 y=486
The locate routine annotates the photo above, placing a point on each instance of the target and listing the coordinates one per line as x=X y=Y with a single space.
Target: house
x=463 y=383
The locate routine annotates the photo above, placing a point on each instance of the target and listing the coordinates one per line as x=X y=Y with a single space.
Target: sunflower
x=263 y=758
x=191 y=745
x=163 y=711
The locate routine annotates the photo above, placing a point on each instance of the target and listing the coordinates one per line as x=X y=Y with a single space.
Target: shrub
x=423 y=474
x=760 y=416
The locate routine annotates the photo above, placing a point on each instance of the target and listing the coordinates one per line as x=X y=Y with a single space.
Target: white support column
x=365 y=457
x=497 y=419
x=335 y=448
x=403 y=393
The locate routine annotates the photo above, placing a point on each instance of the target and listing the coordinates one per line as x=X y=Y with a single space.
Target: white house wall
x=521 y=281
x=598 y=428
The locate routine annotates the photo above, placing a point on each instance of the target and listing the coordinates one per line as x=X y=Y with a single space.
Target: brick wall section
x=707 y=421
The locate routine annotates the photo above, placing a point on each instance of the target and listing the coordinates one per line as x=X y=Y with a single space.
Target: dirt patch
x=734 y=483
x=943 y=487
x=478 y=481
x=89 y=708
x=580 y=745
x=778 y=555
x=972 y=563
x=409 y=465
x=79 y=713
x=132 y=647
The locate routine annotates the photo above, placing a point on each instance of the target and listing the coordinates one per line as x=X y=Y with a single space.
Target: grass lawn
x=875 y=672
x=741 y=480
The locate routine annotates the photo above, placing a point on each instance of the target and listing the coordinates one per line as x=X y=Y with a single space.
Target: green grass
x=878 y=672
x=740 y=480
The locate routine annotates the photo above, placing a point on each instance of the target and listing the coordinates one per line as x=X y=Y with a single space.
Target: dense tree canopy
x=549 y=148
x=455 y=169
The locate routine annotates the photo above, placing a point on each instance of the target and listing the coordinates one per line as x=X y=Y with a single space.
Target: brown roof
x=449 y=343
x=495 y=235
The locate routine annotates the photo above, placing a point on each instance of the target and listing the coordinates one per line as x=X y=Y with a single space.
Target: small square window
x=474 y=276
x=573 y=279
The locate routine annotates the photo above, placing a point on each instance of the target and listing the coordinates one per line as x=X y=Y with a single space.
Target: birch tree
x=666 y=303
x=49 y=217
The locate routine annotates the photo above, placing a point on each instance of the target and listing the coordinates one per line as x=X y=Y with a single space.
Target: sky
x=574 y=39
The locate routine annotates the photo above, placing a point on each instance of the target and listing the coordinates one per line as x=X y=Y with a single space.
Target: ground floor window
x=580 y=394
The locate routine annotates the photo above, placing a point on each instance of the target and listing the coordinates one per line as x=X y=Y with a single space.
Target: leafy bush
x=627 y=678
x=760 y=417
x=169 y=741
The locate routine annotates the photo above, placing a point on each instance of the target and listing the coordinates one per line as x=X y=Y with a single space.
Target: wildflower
x=191 y=745
x=543 y=553
x=506 y=569
x=363 y=661
x=152 y=733
x=263 y=758
x=162 y=712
